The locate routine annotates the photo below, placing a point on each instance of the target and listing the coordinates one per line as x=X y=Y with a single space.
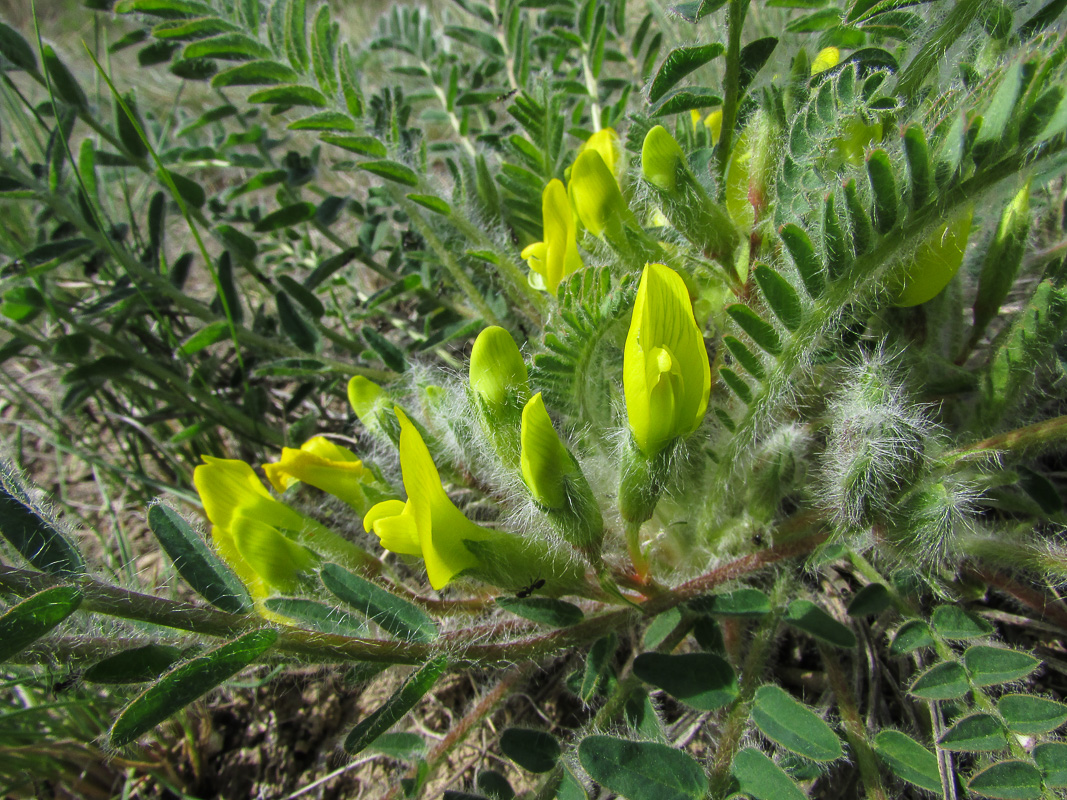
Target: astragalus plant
x=705 y=359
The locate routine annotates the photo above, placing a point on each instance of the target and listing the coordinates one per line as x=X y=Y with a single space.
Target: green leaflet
x=292 y=95
x=975 y=733
x=392 y=171
x=810 y=618
x=598 y=665
x=255 y=73
x=198 y=565
x=533 y=750
x=944 y=681
x=1051 y=758
x=16 y=49
x=178 y=688
x=396 y=615
x=642 y=770
x=908 y=760
x=679 y=63
x=299 y=330
x=398 y=704
x=758 y=329
x=873 y=598
x=759 y=777
x=791 y=724
x=780 y=295
x=228 y=47
x=545 y=610
x=953 y=622
x=989 y=666
x=286 y=217
x=26 y=622
x=804 y=258
x=1010 y=780
x=1030 y=715
x=738 y=603
x=33 y=536
x=702 y=681
x=318 y=616
x=136 y=665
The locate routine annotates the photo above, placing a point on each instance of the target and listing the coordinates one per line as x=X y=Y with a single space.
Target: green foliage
x=867 y=232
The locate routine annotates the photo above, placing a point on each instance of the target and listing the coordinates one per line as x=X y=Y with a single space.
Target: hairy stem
x=855 y=730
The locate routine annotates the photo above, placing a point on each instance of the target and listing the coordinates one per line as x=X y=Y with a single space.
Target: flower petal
x=278 y=560
x=544 y=460
x=327 y=466
x=441 y=526
x=561 y=250
x=606 y=142
x=595 y=195
x=228 y=485
x=390 y=521
x=666 y=372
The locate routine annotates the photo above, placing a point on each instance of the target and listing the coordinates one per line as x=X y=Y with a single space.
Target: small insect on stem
x=526 y=591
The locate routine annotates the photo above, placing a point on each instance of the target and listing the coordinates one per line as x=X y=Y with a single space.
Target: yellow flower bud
x=596 y=197
x=323 y=464
x=606 y=142
x=713 y=122
x=660 y=157
x=366 y=398
x=683 y=199
x=497 y=371
x=826 y=58
x=557 y=256
x=544 y=460
x=428 y=524
x=935 y=261
x=666 y=373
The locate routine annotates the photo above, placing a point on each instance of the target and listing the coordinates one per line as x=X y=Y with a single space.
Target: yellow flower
x=545 y=462
x=497 y=371
x=428 y=524
x=323 y=464
x=245 y=520
x=606 y=142
x=825 y=59
x=666 y=374
x=661 y=156
x=273 y=556
x=595 y=196
x=267 y=543
x=557 y=256
x=713 y=122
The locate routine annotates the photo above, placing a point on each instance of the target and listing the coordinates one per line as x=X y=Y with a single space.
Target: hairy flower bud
x=545 y=462
x=935 y=262
x=662 y=158
x=500 y=387
x=596 y=198
x=497 y=372
x=684 y=201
